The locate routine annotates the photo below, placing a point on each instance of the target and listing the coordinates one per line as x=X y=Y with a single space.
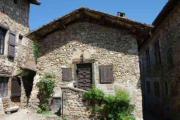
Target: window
x=2 y=39
x=157 y=52
x=106 y=74
x=148 y=87
x=20 y=38
x=156 y=89
x=3 y=87
x=66 y=74
x=11 y=47
x=170 y=57
x=147 y=58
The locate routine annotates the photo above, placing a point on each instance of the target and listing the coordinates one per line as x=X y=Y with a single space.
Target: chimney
x=121 y=14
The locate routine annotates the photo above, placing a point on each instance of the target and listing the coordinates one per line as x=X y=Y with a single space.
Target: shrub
x=46 y=89
x=39 y=110
x=111 y=107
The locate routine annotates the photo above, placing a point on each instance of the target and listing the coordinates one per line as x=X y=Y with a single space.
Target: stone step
x=12 y=109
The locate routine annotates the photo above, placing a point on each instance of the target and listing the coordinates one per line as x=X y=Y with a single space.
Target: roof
x=34 y=2
x=86 y=14
x=165 y=11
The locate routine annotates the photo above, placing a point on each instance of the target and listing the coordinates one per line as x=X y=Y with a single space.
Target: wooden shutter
x=2 y=36
x=11 y=48
x=66 y=74
x=106 y=74
x=15 y=87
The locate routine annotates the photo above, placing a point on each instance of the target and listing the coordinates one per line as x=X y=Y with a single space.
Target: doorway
x=84 y=76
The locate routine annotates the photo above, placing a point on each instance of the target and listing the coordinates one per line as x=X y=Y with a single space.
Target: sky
x=140 y=10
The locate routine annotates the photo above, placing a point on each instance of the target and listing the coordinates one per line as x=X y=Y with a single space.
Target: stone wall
x=23 y=48
x=168 y=34
x=73 y=106
x=18 y=12
x=103 y=45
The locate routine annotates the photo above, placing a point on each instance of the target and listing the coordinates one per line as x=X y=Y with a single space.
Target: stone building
x=160 y=68
x=16 y=55
x=88 y=47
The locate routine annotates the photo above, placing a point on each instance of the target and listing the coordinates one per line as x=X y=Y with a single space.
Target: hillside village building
x=87 y=47
x=90 y=48
x=160 y=63
x=16 y=52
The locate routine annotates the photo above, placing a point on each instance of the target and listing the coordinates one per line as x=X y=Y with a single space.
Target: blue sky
x=140 y=10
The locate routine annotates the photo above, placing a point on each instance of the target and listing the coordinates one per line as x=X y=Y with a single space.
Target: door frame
x=84 y=62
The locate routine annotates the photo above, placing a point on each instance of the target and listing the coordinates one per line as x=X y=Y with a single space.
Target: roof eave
x=35 y=35
x=34 y=2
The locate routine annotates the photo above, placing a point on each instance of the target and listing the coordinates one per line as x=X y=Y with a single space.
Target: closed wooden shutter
x=106 y=74
x=15 y=87
x=66 y=74
x=2 y=36
x=11 y=48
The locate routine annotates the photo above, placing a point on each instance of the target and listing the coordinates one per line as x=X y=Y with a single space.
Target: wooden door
x=84 y=76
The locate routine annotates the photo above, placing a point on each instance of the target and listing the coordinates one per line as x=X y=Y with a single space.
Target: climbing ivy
x=35 y=50
x=46 y=89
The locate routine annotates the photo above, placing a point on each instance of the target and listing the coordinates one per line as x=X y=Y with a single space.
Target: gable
x=85 y=14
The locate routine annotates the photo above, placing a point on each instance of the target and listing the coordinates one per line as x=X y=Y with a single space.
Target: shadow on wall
x=28 y=78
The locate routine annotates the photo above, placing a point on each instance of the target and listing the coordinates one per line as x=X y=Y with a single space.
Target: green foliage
x=46 y=89
x=111 y=107
x=94 y=95
x=35 y=50
x=65 y=118
x=39 y=110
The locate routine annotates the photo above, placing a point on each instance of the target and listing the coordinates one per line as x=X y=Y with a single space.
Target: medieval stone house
x=160 y=69
x=89 y=48
x=15 y=52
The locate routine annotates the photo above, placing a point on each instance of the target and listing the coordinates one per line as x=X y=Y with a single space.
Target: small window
x=156 y=89
x=2 y=40
x=106 y=74
x=20 y=38
x=66 y=74
x=148 y=87
x=15 y=1
x=3 y=87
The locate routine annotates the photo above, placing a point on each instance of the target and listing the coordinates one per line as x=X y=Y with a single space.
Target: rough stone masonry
x=100 y=44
